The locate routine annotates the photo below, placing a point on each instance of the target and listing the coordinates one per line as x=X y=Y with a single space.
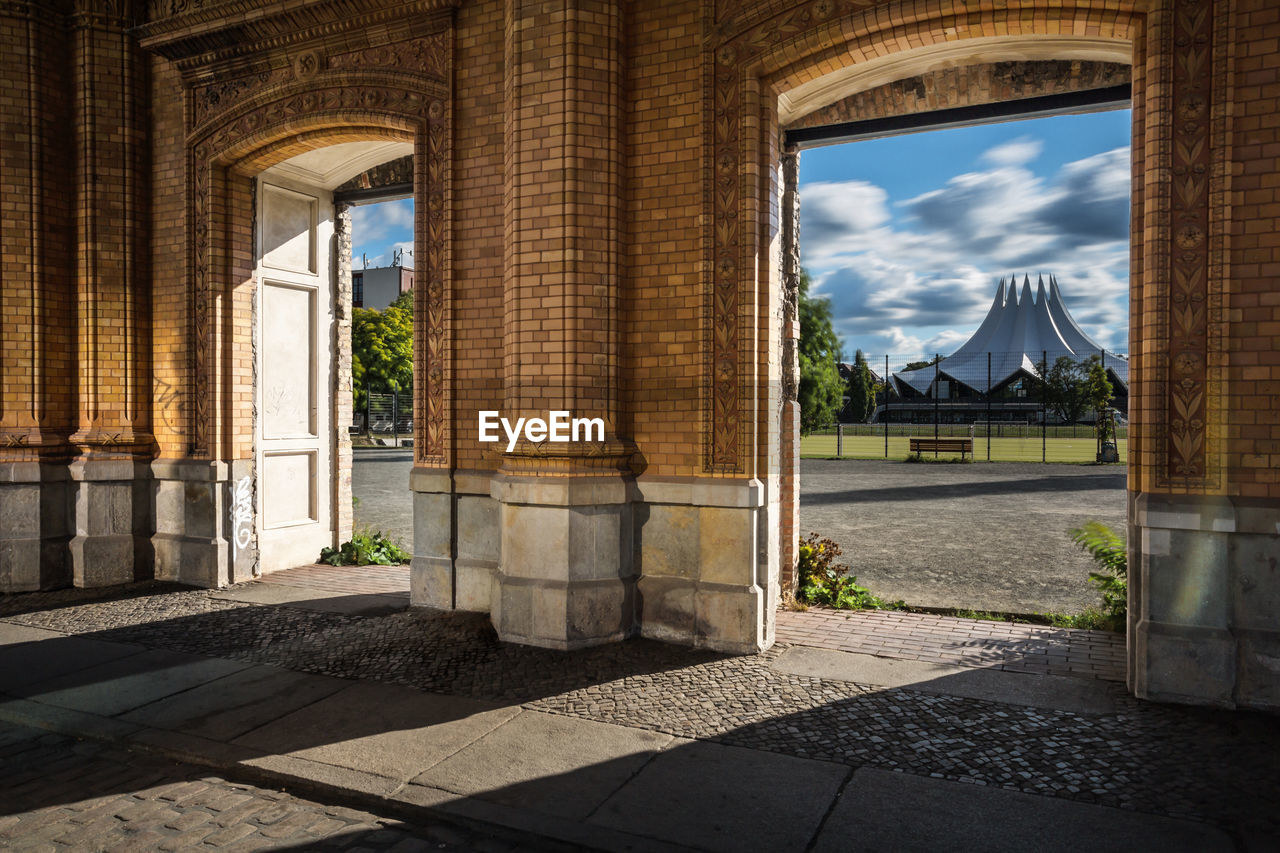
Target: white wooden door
x=293 y=427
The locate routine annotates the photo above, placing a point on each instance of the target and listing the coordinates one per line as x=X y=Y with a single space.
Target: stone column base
x=199 y=540
x=1204 y=591
x=707 y=555
x=565 y=580
x=455 y=540
x=112 y=522
x=36 y=525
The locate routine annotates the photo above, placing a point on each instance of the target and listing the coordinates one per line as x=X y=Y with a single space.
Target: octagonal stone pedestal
x=566 y=577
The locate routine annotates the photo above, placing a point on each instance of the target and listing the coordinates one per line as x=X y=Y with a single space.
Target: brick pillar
x=37 y=301
x=565 y=576
x=112 y=493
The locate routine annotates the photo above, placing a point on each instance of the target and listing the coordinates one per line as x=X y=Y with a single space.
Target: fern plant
x=1108 y=550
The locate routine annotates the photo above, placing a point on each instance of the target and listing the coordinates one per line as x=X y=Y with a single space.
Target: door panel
x=288 y=347
x=293 y=435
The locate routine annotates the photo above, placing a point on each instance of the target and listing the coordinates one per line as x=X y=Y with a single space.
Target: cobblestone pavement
x=1183 y=762
x=63 y=794
x=380 y=483
x=960 y=642
x=989 y=536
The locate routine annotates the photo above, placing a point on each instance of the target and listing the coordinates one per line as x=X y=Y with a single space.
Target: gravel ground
x=985 y=536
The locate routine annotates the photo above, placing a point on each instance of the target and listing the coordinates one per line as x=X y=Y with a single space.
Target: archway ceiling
x=334 y=165
x=800 y=100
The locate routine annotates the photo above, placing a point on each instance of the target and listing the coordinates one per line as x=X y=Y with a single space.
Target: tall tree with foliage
x=382 y=348
x=821 y=389
x=1099 y=393
x=1064 y=387
x=862 y=395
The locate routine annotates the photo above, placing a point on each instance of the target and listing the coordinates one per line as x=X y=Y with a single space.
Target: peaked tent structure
x=1017 y=332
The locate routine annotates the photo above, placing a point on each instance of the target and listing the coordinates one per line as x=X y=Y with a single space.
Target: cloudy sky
x=908 y=236
x=377 y=230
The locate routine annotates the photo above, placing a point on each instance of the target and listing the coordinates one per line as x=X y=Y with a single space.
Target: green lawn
x=1082 y=449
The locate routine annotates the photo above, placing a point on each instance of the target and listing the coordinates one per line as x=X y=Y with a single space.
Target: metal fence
x=387 y=419
x=994 y=406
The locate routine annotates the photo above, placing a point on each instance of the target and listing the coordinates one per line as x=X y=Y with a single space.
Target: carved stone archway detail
x=246 y=124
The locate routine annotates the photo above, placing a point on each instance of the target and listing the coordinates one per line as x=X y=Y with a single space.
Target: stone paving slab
x=237 y=704
x=1078 y=695
x=725 y=798
x=29 y=655
x=61 y=794
x=881 y=810
x=382 y=729
x=558 y=765
x=128 y=682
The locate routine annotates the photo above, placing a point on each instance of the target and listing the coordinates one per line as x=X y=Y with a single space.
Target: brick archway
x=1181 y=57
x=317 y=94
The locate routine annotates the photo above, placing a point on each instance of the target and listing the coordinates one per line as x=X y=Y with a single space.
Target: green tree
x=1064 y=387
x=862 y=389
x=382 y=348
x=917 y=365
x=821 y=389
x=1098 y=394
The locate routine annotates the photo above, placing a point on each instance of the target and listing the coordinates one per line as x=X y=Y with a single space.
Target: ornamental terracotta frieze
x=731 y=229
x=1196 y=240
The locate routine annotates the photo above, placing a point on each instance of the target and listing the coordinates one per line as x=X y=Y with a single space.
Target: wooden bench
x=942 y=445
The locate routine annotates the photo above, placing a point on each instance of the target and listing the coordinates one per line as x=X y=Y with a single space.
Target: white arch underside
x=861 y=76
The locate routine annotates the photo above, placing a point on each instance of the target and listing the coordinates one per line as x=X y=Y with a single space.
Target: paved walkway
x=959 y=642
x=66 y=794
x=347 y=580
x=637 y=745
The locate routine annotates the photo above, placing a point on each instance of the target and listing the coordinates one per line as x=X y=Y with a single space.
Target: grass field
x=1082 y=449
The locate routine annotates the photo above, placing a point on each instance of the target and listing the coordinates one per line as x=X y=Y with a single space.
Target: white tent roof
x=1017 y=332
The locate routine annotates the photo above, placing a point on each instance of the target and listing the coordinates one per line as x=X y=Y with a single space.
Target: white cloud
x=377 y=229
x=1019 y=152
x=923 y=283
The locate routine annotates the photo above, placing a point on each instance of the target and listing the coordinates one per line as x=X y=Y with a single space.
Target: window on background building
x=357 y=290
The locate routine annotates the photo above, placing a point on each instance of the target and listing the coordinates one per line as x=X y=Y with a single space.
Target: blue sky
x=908 y=235
x=377 y=230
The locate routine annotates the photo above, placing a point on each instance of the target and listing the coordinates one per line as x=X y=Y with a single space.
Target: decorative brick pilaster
x=37 y=300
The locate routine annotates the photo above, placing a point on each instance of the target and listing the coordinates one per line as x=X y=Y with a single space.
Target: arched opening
x=905 y=237
x=303 y=362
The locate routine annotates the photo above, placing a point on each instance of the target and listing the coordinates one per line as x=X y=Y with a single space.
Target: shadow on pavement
x=985 y=488
x=854 y=763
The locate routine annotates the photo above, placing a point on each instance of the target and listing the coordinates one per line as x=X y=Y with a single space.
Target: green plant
x=821 y=580
x=1092 y=619
x=365 y=548
x=1108 y=550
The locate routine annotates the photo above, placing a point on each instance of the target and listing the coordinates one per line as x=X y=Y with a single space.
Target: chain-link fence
x=1005 y=406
